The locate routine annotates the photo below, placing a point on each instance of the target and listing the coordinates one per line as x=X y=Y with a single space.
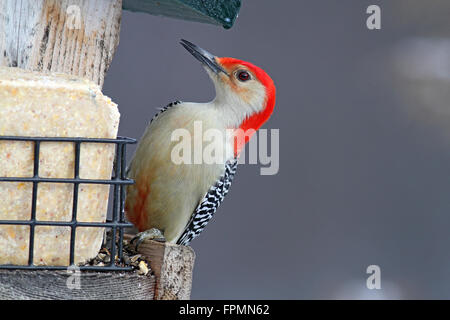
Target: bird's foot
x=150 y=234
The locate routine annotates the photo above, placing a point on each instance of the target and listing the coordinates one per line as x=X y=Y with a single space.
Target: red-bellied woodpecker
x=174 y=200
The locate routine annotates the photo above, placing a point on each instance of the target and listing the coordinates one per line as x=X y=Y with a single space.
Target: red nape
x=257 y=120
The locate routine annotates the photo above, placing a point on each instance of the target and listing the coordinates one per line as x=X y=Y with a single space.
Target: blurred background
x=364 y=120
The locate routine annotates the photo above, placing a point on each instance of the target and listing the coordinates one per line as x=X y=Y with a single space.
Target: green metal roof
x=218 y=12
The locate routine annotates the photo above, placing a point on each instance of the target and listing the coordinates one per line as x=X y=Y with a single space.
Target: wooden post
x=172 y=266
x=170 y=279
x=53 y=285
x=79 y=37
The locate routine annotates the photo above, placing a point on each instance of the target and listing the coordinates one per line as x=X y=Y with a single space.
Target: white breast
x=172 y=190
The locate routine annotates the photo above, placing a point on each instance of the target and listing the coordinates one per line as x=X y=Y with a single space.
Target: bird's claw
x=150 y=234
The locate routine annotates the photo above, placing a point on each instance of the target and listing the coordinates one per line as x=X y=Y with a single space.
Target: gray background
x=364 y=146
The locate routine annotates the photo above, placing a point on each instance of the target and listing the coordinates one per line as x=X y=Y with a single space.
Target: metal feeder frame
x=116 y=224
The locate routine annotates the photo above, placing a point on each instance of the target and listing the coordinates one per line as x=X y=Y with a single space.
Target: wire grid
x=117 y=223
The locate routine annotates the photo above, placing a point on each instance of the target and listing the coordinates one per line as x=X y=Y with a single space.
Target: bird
x=172 y=201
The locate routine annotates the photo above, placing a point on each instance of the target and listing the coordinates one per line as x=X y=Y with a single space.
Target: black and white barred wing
x=209 y=204
x=161 y=110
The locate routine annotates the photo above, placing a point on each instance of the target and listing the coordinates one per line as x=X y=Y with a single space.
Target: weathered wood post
x=75 y=37
x=79 y=38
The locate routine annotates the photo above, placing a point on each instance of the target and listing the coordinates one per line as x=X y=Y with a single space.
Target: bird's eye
x=243 y=76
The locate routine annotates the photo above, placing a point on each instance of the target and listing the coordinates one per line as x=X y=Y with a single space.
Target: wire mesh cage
x=115 y=223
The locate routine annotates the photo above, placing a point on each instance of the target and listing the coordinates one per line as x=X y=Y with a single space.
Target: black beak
x=203 y=56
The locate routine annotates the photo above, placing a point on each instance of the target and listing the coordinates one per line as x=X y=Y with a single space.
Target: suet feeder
x=59 y=151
